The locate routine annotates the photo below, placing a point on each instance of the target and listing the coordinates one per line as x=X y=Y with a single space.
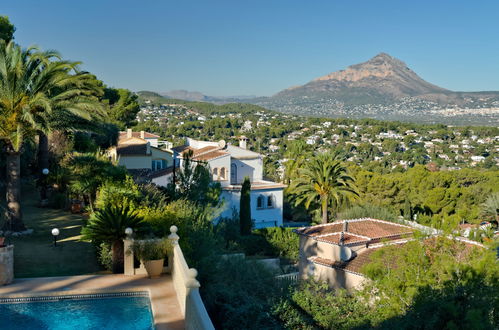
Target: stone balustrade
x=184 y=281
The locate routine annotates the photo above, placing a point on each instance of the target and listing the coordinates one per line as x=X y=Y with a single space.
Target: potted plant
x=152 y=253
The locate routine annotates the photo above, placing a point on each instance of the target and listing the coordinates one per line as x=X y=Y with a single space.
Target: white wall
x=221 y=162
x=161 y=154
x=252 y=168
x=164 y=180
x=262 y=217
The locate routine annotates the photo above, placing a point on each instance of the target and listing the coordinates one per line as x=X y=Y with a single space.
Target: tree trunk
x=43 y=162
x=118 y=257
x=324 y=211
x=13 y=196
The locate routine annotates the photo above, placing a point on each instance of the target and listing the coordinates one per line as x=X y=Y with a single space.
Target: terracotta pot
x=76 y=207
x=154 y=268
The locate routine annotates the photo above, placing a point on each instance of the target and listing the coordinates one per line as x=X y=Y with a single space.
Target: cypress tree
x=245 y=222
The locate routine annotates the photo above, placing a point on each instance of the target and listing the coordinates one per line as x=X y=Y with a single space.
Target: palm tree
x=323 y=181
x=491 y=206
x=34 y=86
x=296 y=155
x=108 y=226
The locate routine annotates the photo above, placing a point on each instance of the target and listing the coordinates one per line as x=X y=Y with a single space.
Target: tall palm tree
x=34 y=86
x=323 y=181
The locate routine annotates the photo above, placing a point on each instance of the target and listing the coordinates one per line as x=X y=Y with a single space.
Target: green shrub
x=126 y=193
x=283 y=242
x=105 y=255
x=240 y=295
x=151 y=249
x=255 y=245
x=368 y=211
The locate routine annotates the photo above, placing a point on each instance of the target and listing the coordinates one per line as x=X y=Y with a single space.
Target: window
x=158 y=164
x=260 y=202
x=222 y=173
x=270 y=202
x=215 y=173
x=233 y=173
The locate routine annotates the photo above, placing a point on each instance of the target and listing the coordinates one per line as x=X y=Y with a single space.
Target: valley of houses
x=396 y=146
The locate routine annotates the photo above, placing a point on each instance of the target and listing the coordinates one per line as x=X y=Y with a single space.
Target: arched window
x=222 y=173
x=260 y=202
x=270 y=201
x=215 y=173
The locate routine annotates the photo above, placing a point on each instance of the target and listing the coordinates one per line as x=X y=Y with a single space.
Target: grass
x=35 y=255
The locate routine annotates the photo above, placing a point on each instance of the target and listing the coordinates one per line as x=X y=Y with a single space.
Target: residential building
x=229 y=166
x=139 y=153
x=337 y=251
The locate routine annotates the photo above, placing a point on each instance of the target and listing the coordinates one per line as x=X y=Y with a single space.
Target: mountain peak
x=380 y=66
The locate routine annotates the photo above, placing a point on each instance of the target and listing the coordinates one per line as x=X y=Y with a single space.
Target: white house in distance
x=229 y=165
x=140 y=154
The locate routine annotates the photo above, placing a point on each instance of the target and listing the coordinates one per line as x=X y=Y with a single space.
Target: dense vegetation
x=436 y=284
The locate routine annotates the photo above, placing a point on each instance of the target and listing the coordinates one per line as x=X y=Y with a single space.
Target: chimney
x=243 y=142
x=129 y=133
x=345 y=226
x=142 y=135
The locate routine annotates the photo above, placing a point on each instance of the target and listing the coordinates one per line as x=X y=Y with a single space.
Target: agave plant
x=108 y=226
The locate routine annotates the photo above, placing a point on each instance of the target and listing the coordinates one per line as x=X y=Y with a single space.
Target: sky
x=226 y=48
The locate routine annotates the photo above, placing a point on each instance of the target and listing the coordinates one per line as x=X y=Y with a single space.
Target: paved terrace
x=165 y=307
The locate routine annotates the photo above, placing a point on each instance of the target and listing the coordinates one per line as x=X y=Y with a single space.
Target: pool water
x=93 y=313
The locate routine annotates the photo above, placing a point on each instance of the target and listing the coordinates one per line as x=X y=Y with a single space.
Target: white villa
x=229 y=165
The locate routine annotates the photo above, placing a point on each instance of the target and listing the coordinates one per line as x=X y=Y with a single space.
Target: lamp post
x=128 y=232
x=43 y=188
x=55 y=233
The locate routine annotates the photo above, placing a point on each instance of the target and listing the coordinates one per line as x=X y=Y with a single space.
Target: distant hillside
x=200 y=97
x=384 y=88
x=205 y=108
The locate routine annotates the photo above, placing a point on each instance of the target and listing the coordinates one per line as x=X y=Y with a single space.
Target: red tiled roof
x=205 y=150
x=359 y=231
x=210 y=155
x=354 y=265
x=157 y=174
x=132 y=149
x=181 y=149
x=147 y=135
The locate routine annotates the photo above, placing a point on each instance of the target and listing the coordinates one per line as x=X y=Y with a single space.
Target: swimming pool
x=98 y=311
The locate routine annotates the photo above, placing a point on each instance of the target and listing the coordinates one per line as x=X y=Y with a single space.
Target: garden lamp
x=55 y=233
x=129 y=231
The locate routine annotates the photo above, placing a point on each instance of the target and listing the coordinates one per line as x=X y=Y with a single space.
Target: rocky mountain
x=384 y=88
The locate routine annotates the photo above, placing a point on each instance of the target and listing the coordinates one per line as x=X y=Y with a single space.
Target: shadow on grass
x=35 y=255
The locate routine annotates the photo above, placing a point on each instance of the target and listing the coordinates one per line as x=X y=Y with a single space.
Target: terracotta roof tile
x=359 y=231
x=354 y=265
x=147 y=135
x=132 y=149
x=210 y=155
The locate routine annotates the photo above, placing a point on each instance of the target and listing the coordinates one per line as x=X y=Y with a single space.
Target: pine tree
x=245 y=222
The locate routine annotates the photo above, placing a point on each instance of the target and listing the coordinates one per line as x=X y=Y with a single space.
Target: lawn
x=35 y=255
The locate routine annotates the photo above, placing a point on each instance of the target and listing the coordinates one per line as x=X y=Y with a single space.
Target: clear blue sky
x=260 y=47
